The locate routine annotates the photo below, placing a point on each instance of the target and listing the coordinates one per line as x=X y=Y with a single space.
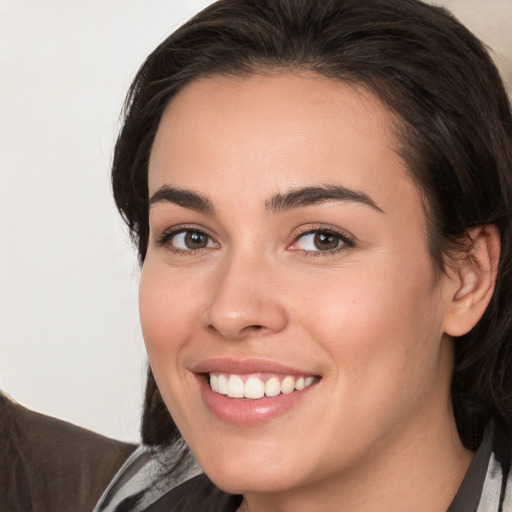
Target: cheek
x=169 y=318
x=169 y=309
x=379 y=324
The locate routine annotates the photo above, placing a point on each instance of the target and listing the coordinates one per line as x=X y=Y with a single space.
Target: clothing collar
x=487 y=486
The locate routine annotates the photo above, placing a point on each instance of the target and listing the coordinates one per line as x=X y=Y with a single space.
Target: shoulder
x=63 y=443
x=198 y=494
x=487 y=486
x=57 y=465
x=497 y=487
x=167 y=479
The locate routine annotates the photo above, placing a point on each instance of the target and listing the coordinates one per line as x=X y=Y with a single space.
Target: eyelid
x=348 y=240
x=167 y=234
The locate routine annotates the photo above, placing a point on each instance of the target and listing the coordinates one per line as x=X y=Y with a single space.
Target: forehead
x=274 y=131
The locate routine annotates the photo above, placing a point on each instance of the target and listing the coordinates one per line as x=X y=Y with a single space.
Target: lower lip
x=246 y=412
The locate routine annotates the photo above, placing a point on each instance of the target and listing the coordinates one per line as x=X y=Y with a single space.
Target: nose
x=245 y=300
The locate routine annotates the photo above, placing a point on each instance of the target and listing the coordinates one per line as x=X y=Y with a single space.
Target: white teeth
x=214 y=382
x=300 y=383
x=272 y=387
x=223 y=385
x=288 y=385
x=254 y=387
x=308 y=381
x=235 y=387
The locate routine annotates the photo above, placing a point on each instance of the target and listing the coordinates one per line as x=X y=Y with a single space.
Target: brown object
x=49 y=465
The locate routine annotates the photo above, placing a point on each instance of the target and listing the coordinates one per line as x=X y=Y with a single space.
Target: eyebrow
x=307 y=196
x=294 y=198
x=183 y=198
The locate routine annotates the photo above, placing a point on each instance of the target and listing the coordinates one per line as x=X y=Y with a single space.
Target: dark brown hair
x=454 y=129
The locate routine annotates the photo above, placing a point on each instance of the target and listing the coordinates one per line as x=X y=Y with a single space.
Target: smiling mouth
x=255 y=387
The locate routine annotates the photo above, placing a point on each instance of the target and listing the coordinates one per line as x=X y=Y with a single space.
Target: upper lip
x=246 y=367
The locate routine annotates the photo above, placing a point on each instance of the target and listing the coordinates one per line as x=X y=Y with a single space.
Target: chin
x=251 y=481
x=251 y=472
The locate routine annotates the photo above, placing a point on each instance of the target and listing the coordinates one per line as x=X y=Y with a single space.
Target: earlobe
x=475 y=278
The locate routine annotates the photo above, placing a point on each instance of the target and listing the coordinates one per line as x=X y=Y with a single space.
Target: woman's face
x=287 y=265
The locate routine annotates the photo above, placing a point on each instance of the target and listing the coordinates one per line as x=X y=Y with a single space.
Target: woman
x=321 y=197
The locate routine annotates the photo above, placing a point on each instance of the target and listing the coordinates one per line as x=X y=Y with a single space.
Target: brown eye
x=320 y=241
x=190 y=240
x=195 y=240
x=326 y=241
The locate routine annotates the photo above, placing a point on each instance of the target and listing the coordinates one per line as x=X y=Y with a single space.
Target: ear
x=474 y=281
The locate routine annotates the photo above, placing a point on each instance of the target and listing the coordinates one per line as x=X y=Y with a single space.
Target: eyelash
x=166 y=237
x=346 y=240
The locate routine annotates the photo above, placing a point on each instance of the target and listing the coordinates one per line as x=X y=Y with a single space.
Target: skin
x=371 y=317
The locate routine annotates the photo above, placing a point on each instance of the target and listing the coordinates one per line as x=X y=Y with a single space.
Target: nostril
x=252 y=329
